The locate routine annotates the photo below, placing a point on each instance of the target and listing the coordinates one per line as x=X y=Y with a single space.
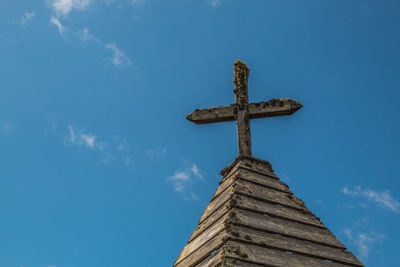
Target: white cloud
x=64 y=7
x=183 y=179
x=363 y=241
x=158 y=152
x=88 y=140
x=72 y=136
x=383 y=198
x=119 y=58
x=110 y=151
x=195 y=170
x=80 y=138
x=85 y=36
x=26 y=17
x=179 y=179
x=180 y=176
x=61 y=9
x=55 y=21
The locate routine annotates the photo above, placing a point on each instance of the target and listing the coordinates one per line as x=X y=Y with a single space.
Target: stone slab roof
x=253 y=220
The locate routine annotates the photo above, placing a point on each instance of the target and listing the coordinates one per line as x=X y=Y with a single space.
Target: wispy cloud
x=158 y=152
x=195 y=170
x=64 y=7
x=28 y=16
x=61 y=8
x=179 y=179
x=80 y=138
x=109 y=151
x=85 y=36
x=55 y=21
x=118 y=58
x=124 y=152
x=183 y=179
x=363 y=241
x=383 y=198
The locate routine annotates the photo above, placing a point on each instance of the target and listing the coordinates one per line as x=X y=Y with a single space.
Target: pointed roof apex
x=261 y=165
x=254 y=219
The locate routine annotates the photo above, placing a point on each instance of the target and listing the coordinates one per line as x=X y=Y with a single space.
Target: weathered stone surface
x=243 y=187
x=271 y=257
x=200 y=240
x=250 y=163
x=242 y=111
x=271 y=108
x=213 y=260
x=257 y=210
x=204 y=251
x=283 y=243
x=253 y=219
x=285 y=227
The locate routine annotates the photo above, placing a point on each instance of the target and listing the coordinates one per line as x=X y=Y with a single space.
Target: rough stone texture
x=254 y=219
x=242 y=111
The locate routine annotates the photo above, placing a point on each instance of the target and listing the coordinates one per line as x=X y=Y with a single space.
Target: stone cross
x=242 y=111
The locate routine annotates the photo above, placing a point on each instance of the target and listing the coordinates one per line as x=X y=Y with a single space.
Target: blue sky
x=98 y=166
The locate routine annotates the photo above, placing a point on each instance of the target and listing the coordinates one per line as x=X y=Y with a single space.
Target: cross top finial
x=240 y=78
x=242 y=111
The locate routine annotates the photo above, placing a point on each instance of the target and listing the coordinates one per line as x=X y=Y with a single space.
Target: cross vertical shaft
x=241 y=76
x=242 y=111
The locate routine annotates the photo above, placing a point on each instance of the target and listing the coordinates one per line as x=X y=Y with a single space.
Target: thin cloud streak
x=119 y=58
x=363 y=241
x=64 y=7
x=58 y=24
x=27 y=17
x=85 y=36
x=383 y=198
x=61 y=9
x=183 y=179
x=80 y=138
x=195 y=170
x=109 y=152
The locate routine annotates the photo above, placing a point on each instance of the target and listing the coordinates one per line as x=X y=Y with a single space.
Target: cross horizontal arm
x=210 y=115
x=271 y=108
